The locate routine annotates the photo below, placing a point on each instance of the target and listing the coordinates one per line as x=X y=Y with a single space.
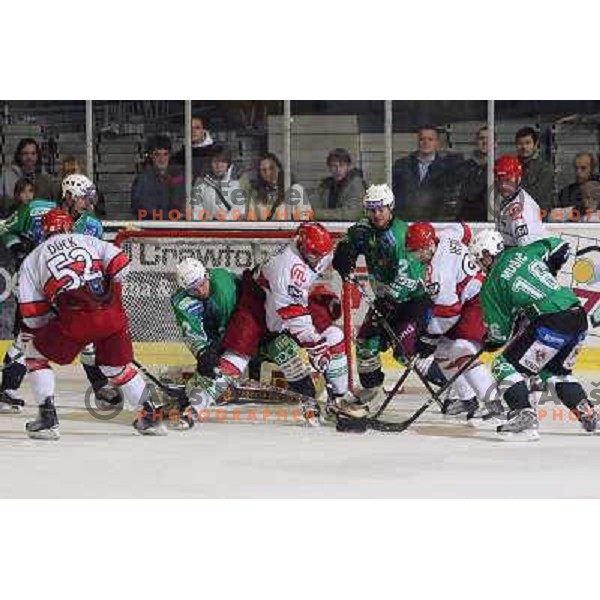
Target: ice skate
x=359 y=404
x=457 y=409
x=522 y=426
x=311 y=413
x=588 y=416
x=45 y=427
x=150 y=421
x=107 y=398
x=10 y=402
x=490 y=415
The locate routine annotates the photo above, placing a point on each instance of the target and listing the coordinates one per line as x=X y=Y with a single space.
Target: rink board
x=171 y=354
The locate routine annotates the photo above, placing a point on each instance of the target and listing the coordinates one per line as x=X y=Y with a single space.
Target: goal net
x=154 y=255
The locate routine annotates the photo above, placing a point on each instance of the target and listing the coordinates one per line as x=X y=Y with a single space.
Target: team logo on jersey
x=433 y=289
x=294 y=292
x=299 y=274
x=515 y=211
x=521 y=231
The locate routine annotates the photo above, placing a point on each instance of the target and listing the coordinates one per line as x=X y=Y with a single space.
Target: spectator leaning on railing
x=472 y=184
x=585 y=170
x=424 y=183
x=27 y=163
x=269 y=201
x=158 y=192
x=217 y=195
x=538 y=177
x=340 y=195
x=202 y=145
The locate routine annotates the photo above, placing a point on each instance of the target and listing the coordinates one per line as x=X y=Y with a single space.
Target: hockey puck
x=349 y=425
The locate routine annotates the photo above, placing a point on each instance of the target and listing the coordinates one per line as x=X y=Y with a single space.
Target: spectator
x=472 y=198
x=538 y=177
x=27 y=164
x=22 y=194
x=202 y=144
x=340 y=196
x=217 y=195
x=72 y=165
x=269 y=201
x=585 y=170
x=425 y=181
x=158 y=192
x=587 y=210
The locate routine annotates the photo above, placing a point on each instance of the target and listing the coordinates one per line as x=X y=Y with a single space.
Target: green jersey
x=203 y=322
x=24 y=226
x=520 y=283
x=88 y=224
x=393 y=271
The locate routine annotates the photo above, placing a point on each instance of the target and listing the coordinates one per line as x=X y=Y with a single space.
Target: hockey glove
x=558 y=258
x=491 y=345
x=385 y=306
x=427 y=344
x=319 y=355
x=207 y=360
x=344 y=259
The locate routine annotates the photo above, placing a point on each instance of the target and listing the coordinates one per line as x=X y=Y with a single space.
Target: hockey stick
x=178 y=394
x=392 y=335
x=399 y=427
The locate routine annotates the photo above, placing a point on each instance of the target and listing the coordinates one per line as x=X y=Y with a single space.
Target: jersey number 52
x=73 y=268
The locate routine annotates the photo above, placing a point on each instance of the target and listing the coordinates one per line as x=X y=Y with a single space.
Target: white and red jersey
x=287 y=280
x=519 y=221
x=453 y=280
x=67 y=265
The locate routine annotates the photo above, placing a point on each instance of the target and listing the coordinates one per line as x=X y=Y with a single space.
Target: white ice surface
x=434 y=458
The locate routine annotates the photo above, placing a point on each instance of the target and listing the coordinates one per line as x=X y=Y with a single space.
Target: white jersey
x=453 y=278
x=287 y=280
x=519 y=221
x=66 y=262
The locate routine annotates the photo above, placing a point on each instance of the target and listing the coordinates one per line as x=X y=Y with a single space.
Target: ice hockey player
x=456 y=330
x=20 y=233
x=274 y=308
x=519 y=217
x=79 y=197
x=69 y=298
x=398 y=282
x=203 y=305
x=519 y=283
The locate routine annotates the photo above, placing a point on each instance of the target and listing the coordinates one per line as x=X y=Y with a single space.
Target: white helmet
x=190 y=273
x=487 y=241
x=378 y=196
x=79 y=185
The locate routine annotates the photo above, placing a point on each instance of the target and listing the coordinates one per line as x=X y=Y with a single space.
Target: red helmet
x=56 y=221
x=508 y=167
x=314 y=239
x=420 y=235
